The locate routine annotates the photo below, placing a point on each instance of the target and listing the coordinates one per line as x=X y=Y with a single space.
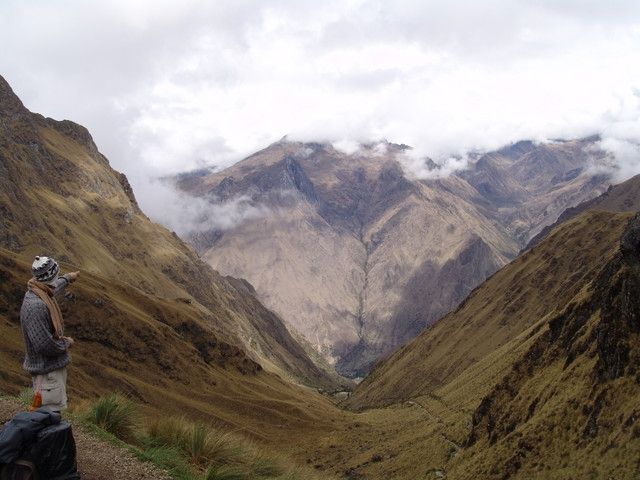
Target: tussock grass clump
x=219 y=455
x=200 y=443
x=224 y=473
x=187 y=450
x=264 y=466
x=171 y=460
x=116 y=414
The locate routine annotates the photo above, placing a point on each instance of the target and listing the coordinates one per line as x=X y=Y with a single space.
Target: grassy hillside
x=150 y=319
x=569 y=406
x=159 y=352
x=60 y=197
x=534 y=376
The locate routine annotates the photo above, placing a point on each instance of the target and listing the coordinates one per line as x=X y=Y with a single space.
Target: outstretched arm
x=61 y=283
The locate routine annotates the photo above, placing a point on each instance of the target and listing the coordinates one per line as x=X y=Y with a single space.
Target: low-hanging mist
x=187 y=215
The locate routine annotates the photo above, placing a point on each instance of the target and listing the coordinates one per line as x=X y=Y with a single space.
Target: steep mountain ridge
x=358 y=256
x=623 y=197
x=592 y=350
x=55 y=185
x=526 y=184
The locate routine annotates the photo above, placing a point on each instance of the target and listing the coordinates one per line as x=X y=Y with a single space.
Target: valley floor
x=415 y=439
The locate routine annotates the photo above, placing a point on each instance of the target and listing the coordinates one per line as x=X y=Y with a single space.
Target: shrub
x=165 y=431
x=198 y=439
x=115 y=414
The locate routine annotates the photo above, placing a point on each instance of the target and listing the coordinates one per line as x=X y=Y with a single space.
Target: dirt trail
x=97 y=459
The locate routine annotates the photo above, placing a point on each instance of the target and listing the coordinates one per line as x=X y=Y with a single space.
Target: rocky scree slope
x=358 y=256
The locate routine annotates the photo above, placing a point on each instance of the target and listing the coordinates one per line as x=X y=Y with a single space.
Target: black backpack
x=49 y=454
x=54 y=453
x=19 y=470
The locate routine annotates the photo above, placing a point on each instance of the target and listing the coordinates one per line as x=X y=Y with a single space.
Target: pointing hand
x=72 y=276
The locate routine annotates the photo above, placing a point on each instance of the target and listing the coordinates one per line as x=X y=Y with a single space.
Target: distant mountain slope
x=623 y=197
x=537 y=369
x=358 y=256
x=59 y=196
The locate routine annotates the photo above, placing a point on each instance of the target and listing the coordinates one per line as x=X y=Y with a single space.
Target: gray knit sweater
x=44 y=353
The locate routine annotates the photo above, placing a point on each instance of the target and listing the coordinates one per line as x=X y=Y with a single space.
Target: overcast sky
x=166 y=86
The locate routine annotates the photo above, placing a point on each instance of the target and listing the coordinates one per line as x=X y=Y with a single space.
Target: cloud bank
x=187 y=215
x=167 y=86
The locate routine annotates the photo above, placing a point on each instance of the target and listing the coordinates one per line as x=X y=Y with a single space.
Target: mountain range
x=359 y=255
x=533 y=375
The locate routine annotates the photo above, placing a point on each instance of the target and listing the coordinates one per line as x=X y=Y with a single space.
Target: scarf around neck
x=45 y=293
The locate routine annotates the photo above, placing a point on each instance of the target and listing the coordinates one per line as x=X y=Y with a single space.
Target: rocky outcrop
x=630 y=242
x=11 y=104
x=126 y=187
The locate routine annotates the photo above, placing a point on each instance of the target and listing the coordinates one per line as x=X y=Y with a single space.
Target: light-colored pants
x=53 y=387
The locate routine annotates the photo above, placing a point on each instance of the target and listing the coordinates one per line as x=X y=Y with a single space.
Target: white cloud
x=420 y=167
x=621 y=136
x=626 y=161
x=166 y=86
x=186 y=215
x=347 y=146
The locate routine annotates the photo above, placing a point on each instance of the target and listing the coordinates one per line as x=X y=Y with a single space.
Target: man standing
x=47 y=349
